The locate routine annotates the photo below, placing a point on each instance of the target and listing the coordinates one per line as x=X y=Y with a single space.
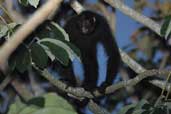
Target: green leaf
x=138 y=111
x=4 y=29
x=29 y=110
x=60 y=53
x=16 y=107
x=75 y=49
x=137 y=108
x=39 y=56
x=23 y=2
x=12 y=62
x=127 y=109
x=34 y=3
x=48 y=52
x=23 y=59
x=51 y=29
x=44 y=31
x=59 y=32
x=168 y=104
x=166 y=27
x=20 y=59
x=37 y=101
x=54 y=110
x=53 y=100
x=159 y=110
x=64 y=45
x=141 y=104
x=53 y=104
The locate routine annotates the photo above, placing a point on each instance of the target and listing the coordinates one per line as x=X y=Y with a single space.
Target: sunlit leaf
x=23 y=2
x=5 y=28
x=52 y=104
x=59 y=32
x=66 y=47
x=34 y=3
x=60 y=54
x=166 y=27
x=16 y=107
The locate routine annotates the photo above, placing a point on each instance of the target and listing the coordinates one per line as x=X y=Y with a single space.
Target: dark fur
x=86 y=35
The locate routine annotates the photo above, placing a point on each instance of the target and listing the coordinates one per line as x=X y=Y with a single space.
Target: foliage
x=144 y=107
x=49 y=103
x=166 y=27
x=54 y=45
x=34 y=3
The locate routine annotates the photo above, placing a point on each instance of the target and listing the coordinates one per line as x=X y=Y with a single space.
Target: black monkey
x=85 y=31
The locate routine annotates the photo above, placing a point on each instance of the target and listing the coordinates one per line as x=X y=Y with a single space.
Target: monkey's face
x=87 y=23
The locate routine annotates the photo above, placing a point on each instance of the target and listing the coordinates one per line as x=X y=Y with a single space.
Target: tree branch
x=131 y=63
x=135 y=15
x=96 y=109
x=80 y=93
x=137 y=79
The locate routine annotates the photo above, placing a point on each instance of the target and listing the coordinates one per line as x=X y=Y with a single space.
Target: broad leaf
x=166 y=27
x=53 y=100
x=23 y=2
x=127 y=109
x=5 y=28
x=54 y=110
x=60 y=53
x=52 y=104
x=59 y=32
x=51 y=30
x=20 y=59
x=29 y=110
x=39 y=56
x=34 y=3
x=16 y=107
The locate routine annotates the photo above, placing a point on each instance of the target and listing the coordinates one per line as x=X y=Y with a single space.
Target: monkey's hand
x=103 y=87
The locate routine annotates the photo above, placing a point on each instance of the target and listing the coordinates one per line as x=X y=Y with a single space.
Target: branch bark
x=81 y=93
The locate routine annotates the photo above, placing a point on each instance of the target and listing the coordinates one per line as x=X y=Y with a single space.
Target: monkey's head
x=86 y=25
x=87 y=22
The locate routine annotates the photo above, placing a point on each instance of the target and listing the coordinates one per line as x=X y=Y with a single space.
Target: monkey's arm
x=90 y=73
